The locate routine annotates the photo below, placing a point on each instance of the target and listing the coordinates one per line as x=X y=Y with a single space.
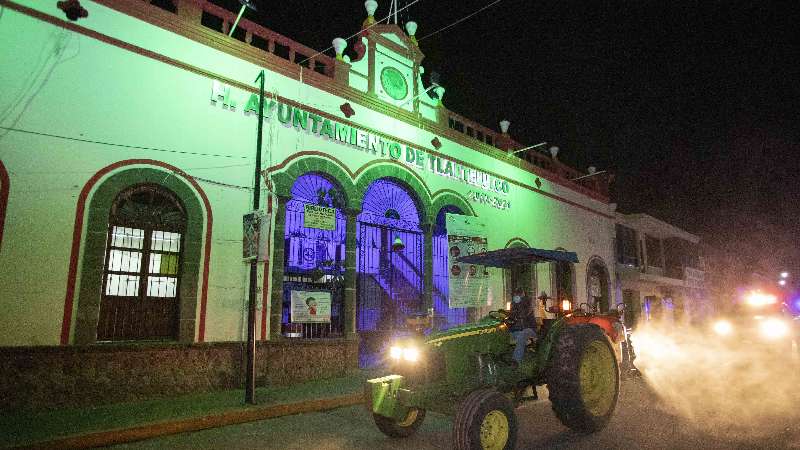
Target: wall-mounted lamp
x=398 y=245
x=504 y=124
x=554 y=152
x=434 y=85
x=437 y=144
x=591 y=174
x=347 y=110
x=245 y=4
x=528 y=148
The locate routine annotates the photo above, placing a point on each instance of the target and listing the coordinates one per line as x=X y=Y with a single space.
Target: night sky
x=693 y=105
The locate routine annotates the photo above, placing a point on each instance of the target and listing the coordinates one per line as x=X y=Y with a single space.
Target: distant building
x=659 y=272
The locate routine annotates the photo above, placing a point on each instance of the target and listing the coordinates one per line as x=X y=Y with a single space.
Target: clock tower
x=387 y=68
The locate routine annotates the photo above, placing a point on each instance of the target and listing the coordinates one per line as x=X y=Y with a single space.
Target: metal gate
x=390 y=278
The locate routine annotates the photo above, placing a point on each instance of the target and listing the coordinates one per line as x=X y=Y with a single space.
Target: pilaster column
x=427 y=267
x=277 y=268
x=350 y=275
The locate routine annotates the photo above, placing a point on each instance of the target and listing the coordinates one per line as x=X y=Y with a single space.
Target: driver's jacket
x=522 y=315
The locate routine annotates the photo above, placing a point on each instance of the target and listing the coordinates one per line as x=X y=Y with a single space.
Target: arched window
x=564 y=281
x=597 y=284
x=141 y=272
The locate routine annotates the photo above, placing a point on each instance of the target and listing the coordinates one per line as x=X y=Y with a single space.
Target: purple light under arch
x=309 y=248
x=389 y=282
x=441 y=275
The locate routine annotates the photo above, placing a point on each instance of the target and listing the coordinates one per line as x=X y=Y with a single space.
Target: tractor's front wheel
x=400 y=428
x=583 y=378
x=485 y=420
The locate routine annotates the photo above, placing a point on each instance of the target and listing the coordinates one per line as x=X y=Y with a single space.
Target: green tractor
x=468 y=371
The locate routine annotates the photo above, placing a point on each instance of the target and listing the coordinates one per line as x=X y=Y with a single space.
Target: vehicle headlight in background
x=723 y=327
x=774 y=328
x=409 y=354
x=757 y=298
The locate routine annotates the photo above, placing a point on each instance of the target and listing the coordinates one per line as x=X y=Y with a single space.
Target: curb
x=138 y=433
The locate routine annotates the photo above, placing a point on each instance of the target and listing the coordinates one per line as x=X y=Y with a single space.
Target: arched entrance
x=597 y=284
x=314 y=258
x=141 y=276
x=441 y=272
x=389 y=264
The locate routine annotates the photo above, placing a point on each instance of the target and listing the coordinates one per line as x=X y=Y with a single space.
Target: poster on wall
x=469 y=283
x=311 y=307
x=255 y=233
x=320 y=217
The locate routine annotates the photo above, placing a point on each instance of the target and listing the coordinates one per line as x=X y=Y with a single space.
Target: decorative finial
x=439 y=90
x=339 y=45
x=411 y=28
x=370 y=6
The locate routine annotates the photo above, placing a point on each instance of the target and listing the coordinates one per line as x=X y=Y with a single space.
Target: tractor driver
x=523 y=322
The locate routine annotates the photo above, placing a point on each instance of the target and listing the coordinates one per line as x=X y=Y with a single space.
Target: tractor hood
x=486 y=325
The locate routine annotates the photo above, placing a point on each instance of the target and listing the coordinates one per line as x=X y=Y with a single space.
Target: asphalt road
x=641 y=421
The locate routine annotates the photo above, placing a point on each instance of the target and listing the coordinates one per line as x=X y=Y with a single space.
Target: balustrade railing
x=220 y=19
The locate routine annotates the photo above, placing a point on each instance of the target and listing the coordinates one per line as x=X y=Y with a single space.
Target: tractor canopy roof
x=508 y=257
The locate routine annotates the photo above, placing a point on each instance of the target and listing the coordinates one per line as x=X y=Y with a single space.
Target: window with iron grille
x=141 y=272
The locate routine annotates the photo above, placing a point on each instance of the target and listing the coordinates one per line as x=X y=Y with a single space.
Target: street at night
x=640 y=422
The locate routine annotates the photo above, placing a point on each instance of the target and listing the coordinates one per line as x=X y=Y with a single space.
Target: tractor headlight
x=409 y=354
x=723 y=327
x=773 y=328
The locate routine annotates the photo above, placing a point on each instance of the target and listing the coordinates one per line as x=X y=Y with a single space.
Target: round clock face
x=394 y=83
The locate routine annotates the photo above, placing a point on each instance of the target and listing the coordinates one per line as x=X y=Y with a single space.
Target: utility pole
x=250 y=372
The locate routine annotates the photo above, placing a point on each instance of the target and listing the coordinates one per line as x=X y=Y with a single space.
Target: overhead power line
x=113 y=144
x=459 y=20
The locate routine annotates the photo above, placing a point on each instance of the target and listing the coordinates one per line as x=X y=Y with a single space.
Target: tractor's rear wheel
x=485 y=420
x=583 y=378
x=400 y=428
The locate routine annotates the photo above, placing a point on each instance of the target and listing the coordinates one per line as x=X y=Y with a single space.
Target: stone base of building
x=77 y=376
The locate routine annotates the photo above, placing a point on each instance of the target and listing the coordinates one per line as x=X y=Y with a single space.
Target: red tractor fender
x=610 y=324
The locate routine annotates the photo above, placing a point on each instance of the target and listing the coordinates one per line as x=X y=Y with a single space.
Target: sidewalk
x=126 y=422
